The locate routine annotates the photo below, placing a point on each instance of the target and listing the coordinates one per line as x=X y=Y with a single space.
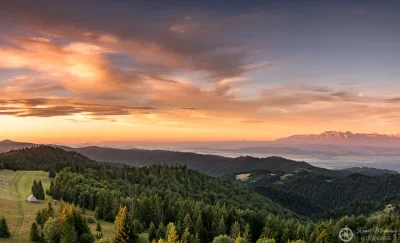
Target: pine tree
x=267 y=229
x=199 y=229
x=52 y=173
x=246 y=233
x=235 y=230
x=186 y=238
x=152 y=231
x=34 y=234
x=50 y=210
x=172 y=235
x=123 y=227
x=196 y=238
x=98 y=227
x=34 y=189
x=40 y=191
x=161 y=231
x=68 y=231
x=4 y=232
x=187 y=222
x=221 y=227
x=80 y=222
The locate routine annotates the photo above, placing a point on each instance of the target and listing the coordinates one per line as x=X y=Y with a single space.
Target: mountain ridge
x=344 y=138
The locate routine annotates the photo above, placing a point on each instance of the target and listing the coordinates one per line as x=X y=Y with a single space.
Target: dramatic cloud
x=180 y=68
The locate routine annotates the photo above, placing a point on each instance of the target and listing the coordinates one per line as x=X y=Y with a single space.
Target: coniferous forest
x=178 y=204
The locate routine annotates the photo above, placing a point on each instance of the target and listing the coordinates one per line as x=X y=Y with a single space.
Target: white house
x=32 y=199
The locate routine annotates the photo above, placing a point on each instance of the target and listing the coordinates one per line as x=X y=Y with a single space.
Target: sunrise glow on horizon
x=130 y=71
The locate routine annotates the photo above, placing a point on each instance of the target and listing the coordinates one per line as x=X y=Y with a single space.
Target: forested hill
x=210 y=164
x=308 y=194
x=42 y=157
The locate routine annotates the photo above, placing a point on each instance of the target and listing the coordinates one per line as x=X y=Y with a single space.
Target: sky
x=84 y=71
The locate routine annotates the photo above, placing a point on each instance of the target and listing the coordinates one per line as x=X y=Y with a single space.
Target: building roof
x=32 y=198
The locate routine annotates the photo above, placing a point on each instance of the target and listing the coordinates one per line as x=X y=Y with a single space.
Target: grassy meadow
x=15 y=187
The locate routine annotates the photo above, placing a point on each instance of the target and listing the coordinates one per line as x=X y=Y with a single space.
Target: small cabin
x=32 y=199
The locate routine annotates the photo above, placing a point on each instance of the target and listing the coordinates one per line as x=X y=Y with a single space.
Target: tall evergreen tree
x=68 y=231
x=124 y=232
x=40 y=191
x=247 y=234
x=34 y=189
x=152 y=231
x=186 y=237
x=221 y=226
x=34 y=234
x=50 y=210
x=172 y=235
x=187 y=222
x=199 y=229
x=161 y=231
x=235 y=230
x=4 y=232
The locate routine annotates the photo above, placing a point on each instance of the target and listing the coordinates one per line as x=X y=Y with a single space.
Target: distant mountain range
x=206 y=163
x=344 y=138
x=7 y=145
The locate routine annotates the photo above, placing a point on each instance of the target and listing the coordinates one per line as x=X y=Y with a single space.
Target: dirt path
x=16 y=233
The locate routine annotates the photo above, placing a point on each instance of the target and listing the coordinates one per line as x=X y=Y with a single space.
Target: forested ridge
x=42 y=157
x=321 y=196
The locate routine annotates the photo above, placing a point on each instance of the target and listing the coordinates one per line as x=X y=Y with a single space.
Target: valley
x=287 y=192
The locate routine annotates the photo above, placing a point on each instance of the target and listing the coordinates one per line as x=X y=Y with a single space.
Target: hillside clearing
x=15 y=187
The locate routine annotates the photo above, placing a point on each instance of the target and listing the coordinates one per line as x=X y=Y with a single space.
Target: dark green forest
x=176 y=204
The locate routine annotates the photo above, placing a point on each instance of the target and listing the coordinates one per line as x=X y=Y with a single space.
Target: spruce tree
x=160 y=231
x=221 y=227
x=172 y=235
x=40 y=191
x=196 y=238
x=68 y=231
x=152 y=232
x=4 y=232
x=247 y=234
x=235 y=230
x=50 y=210
x=34 y=189
x=124 y=232
x=267 y=229
x=199 y=229
x=187 y=222
x=186 y=237
x=34 y=234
